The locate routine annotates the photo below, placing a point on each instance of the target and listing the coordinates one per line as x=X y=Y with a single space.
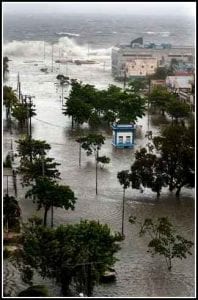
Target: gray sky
x=139 y=8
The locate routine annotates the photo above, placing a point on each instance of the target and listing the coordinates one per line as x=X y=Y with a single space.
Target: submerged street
x=138 y=274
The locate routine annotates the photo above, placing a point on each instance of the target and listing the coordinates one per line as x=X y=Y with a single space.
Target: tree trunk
x=72 y=122
x=66 y=278
x=158 y=194
x=177 y=194
x=52 y=216
x=97 y=172
x=123 y=200
x=45 y=216
x=79 y=154
x=171 y=186
x=89 y=281
x=169 y=264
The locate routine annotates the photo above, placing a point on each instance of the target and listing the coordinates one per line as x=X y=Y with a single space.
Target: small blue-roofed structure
x=123 y=135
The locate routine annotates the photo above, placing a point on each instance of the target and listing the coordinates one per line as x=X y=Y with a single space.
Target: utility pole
x=148 y=98
x=19 y=87
x=30 y=104
x=44 y=51
x=79 y=154
x=59 y=60
x=124 y=83
x=97 y=170
x=29 y=116
x=88 y=50
x=66 y=69
x=123 y=212
x=62 y=94
x=52 y=55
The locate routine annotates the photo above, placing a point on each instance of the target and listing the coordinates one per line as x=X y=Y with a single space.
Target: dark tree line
x=86 y=104
x=172 y=164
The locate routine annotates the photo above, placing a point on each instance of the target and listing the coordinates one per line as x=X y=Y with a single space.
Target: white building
x=179 y=83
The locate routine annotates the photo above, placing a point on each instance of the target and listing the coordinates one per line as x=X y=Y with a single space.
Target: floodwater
x=138 y=274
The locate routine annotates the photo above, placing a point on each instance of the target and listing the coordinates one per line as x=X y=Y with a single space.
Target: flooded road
x=138 y=274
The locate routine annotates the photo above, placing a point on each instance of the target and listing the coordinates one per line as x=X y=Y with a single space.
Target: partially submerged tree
x=148 y=171
x=11 y=213
x=87 y=104
x=78 y=253
x=9 y=100
x=137 y=85
x=42 y=166
x=92 y=144
x=28 y=147
x=5 y=67
x=22 y=112
x=177 y=110
x=124 y=179
x=164 y=239
x=176 y=146
x=160 y=97
x=103 y=160
x=49 y=194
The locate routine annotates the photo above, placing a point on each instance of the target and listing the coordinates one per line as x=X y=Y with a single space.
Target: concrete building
x=179 y=83
x=123 y=135
x=182 y=86
x=163 y=53
x=183 y=69
x=140 y=67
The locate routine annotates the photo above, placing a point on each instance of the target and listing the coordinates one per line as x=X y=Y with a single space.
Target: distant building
x=140 y=67
x=123 y=135
x=182 y=86
x=187 y=98
x=183 y=69
x=179 y=83
x=124 y=55
x=157 y=82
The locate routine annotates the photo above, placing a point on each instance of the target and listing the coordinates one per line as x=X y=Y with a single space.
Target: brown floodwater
x=138 y=274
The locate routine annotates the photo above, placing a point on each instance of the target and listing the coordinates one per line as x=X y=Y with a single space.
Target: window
x=120 y=139
x=142 y=66
x=151 y=67
x=128 y=139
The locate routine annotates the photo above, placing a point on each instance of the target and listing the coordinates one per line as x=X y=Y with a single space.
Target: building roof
x=123 y=126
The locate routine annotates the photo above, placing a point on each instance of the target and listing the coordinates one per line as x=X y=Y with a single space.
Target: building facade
x=124 y=54
x=123 y=135
x=140 y=67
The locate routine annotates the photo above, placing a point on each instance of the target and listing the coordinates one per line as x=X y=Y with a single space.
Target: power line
x=49 y=123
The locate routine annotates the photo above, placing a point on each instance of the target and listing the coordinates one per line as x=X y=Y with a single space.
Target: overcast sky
x=138 y=8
